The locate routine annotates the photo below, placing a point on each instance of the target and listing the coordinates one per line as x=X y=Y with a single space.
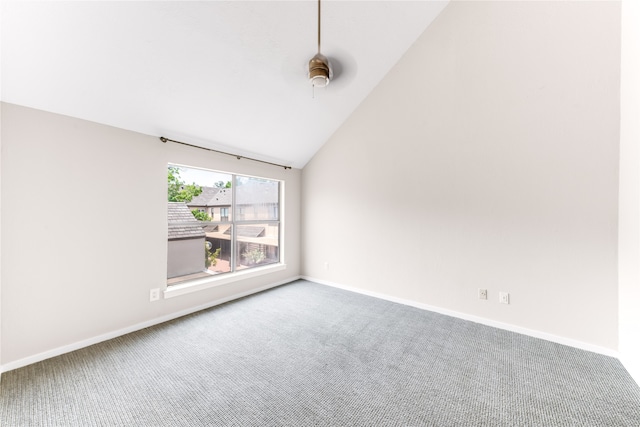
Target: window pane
x=219 y=245
x=199 y=202
x=257 y=199
x=257 y=244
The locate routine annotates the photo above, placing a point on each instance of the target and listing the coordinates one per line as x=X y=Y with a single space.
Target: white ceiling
x=227 y=75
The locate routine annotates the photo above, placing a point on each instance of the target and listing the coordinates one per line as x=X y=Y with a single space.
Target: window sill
x=210 y=282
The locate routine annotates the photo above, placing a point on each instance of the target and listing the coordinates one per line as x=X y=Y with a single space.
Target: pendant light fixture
x=320 y=72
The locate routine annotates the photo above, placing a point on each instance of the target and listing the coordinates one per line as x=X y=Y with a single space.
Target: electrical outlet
x=504 y=298
x=154 y=294
x=482 y=294
x=326 y=265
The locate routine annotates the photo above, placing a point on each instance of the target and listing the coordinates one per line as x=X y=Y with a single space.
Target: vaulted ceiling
x=228 y=75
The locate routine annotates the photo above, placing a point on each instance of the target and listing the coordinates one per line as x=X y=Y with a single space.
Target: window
x=202 y=244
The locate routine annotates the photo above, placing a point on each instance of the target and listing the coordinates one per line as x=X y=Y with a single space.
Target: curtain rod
x=163 y=139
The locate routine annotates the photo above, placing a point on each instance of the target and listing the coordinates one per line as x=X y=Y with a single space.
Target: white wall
x=487 y=158
x=629 y=228
x=0 y=226
x=81 y=264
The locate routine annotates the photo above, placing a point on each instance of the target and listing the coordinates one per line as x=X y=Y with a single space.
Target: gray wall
x=487 y=158
x=84 y=268
x=185 y=257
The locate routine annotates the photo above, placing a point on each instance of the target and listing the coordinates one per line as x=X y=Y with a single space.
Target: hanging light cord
x=165 y=140
x=318 y=26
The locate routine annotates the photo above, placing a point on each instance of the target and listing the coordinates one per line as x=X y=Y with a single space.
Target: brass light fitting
x=319 y=71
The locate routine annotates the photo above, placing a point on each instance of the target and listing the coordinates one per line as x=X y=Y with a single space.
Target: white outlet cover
x=504 y=297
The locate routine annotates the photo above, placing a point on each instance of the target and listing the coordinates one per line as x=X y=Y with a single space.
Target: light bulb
x=319 y=81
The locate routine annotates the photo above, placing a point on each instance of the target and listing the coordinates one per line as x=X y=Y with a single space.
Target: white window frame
x=194 y=285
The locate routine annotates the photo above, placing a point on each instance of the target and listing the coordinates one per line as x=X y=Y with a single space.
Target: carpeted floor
x=305 y=354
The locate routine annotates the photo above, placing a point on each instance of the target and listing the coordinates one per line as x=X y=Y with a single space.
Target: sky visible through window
x=202 y=177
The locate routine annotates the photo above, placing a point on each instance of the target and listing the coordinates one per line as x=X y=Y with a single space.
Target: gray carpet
x=305 y=354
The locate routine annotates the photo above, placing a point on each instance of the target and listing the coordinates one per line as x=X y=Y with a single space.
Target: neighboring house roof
x=182 y=223
x=211 y=229
x=255 y=194
x=212 y=196
x=248 y=231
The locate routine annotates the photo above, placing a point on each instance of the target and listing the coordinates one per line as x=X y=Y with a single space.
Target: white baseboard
x=631 y=367
x=476 y=319
x=104 y=337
